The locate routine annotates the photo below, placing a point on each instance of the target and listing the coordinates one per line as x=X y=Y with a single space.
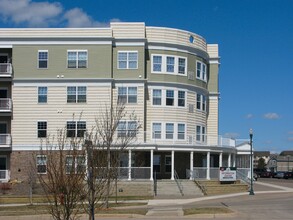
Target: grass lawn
x=207 y=210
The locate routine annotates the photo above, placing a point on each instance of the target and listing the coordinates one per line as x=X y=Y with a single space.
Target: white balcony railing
x=5 y=104
x=4 y=175
x=5 y=140
x=189 y=139
x=5 y=69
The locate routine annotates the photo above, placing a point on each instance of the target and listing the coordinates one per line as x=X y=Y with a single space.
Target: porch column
x=221 y=160
x=191 y=165
x=152 y=165
x=208 y=165
x=234 y=160
x=129 y=164
x=229 y=160
x=172 y=166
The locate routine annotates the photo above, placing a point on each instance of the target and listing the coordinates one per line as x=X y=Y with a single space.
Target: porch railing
x=5 y=104
x=178 y=182
x=243 y=174
x=5 y=69
x=5 y=140
x=4 y=175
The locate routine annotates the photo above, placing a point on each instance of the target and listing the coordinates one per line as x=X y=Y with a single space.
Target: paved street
x=273 y=199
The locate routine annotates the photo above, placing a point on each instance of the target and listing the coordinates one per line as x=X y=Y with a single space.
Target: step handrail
x=178 y=182
x=155 y=183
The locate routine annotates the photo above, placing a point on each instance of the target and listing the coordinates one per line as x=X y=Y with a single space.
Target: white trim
x=127 y=60
x=122 y=44
x=163 y=131
x=61 y=84
x=164 y=65
x=11 y=43
x=163 y=96
x=37 y=129
x=129 y=84
x=168 y=48
x=201 y=77
x=38 y=60
x=214 y=62
x=77 y=51
x=5 y=45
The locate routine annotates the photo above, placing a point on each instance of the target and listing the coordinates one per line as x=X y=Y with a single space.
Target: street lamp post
x=251 y=163
x=288 y=156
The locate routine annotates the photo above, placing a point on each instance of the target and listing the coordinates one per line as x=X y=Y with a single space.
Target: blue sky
x=255 y=38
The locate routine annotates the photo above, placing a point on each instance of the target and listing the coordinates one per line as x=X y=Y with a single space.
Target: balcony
x=5 y=141
x=5 y=69
x=187 y=140
x=5 y=105
x=4 y=175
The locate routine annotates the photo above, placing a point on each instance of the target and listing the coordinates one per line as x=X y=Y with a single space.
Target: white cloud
x=290 y=139
x=271 y=116
x=290 y=132
x=45 y=14
x=32 y=14
x=249 y=116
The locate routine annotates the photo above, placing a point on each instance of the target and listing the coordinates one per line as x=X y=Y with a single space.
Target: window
x=127 y=129
x=181 y=66
x=181 y=132
x=168 y=163
x=77 y=59
x=201 y=71
x=42 y=59
x=201 y=102
x=170 y=97
x=127 y=94
x=76 y=129
x=75 y=164
x=42 y=129
x=42 y=94
x=200 y=133
x=181 y=98
x=127 y=60
x=157 y=96
x=157 y=63
x=42 y=164
x=157 y=130
x=76 y=94
x=169 y=130
x=169 y=64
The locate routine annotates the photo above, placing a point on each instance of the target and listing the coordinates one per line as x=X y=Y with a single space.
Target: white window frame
x=157 y=97
x=43 y=95
x=127 y=132
x=169 y=133
x=76 y=163
x=202 y=72
x=127 y=60
x=169 y=164
x=153 y=135
x=47 y=60
x=76 y=130
x=181 y=139
x=127 y=94
x=164 y=97
x=38 y=164
x=164 y=69
x=200 y=135
x=201 y=101
x=164 y=132
x=77 y=94
x=77 y=59
x=42 y=121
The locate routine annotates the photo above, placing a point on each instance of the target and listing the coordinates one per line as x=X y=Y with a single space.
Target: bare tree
x=63 y=184
x=111 y=136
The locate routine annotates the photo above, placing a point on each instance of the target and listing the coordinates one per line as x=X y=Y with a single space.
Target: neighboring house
x=261 y=154
x=281 y=162
x=168 y=76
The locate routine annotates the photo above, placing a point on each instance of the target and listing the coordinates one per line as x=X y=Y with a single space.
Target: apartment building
x=168 y=76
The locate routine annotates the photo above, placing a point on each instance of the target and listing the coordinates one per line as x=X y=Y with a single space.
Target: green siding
x=129 y=73
x=213 y=78
x=25 y=61
x=191 y=66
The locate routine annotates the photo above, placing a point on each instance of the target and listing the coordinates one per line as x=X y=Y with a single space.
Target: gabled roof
x=286 y=152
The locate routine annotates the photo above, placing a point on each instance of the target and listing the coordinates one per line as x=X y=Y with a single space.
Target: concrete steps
x=214 y=187
x=169 y=189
